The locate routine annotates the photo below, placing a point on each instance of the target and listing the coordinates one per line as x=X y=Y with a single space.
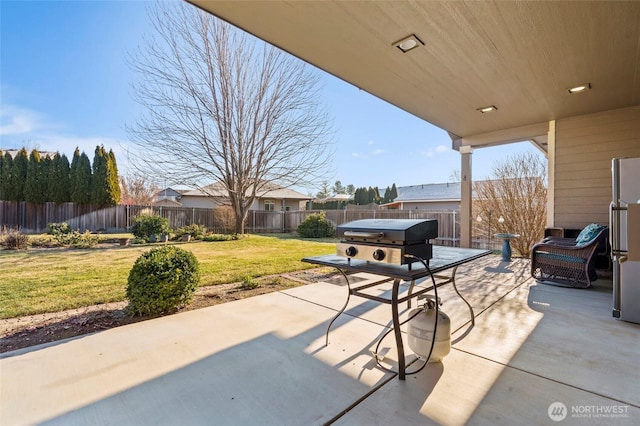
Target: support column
x=551 y=173
x=465 y=196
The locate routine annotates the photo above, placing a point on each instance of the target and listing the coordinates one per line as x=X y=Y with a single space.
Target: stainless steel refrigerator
x=624 y=229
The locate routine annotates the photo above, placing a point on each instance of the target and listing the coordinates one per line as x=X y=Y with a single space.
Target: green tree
x=338 y=188
x=372 y=195
x=46 y=168
x=394 y=192
x=35 y=184
x=351 y=189
x=99 y=178
x=19 y=175
x=361 y=196
x=324 y=190
x=5 y=177
x=59 y=181
x=80 y=179
x=114 y=193
x=387 y=194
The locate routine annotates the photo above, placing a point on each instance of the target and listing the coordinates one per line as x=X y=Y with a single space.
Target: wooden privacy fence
x=264 y=221
x=34 y=218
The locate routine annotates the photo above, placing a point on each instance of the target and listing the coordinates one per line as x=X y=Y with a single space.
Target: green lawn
x=52 y=280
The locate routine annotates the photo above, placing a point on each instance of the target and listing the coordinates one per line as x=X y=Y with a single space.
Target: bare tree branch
x=517 y=192
x=223 y=108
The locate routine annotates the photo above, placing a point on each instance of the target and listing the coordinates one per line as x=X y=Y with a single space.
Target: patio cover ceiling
x=519 y=56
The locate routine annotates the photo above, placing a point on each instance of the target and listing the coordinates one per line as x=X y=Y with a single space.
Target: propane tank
x=420 y=332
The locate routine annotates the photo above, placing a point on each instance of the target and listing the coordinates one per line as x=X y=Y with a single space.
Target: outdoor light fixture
x=408 y=43
x=579 y=89
x=501 y=219
x=487 y=109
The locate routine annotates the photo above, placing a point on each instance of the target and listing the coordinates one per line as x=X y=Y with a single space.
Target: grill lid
x=389 y=231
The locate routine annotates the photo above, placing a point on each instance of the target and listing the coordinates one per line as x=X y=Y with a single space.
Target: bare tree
x=517 y=193
x=225 y=109
x=137 y=189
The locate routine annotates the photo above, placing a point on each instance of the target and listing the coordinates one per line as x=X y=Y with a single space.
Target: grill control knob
x=351 y=251
x=378 y=254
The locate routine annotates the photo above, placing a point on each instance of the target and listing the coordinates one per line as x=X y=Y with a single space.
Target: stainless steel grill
x=387 y=240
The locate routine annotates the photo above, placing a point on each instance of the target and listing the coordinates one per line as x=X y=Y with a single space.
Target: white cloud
x=368 y=154
x=18 y=121
x=440 y=149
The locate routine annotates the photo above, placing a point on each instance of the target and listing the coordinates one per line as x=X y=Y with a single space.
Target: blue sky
x=64 y=83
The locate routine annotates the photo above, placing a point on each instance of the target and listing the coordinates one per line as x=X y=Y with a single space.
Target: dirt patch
x=23 y=332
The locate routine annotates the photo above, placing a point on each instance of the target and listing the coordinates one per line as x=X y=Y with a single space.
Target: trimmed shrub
x=13 y=239
x=59 y=228
x=222 y=237
x=144 y=226
x=162 y=280
x=65 y=236
x=196 y=231
x=316 y=225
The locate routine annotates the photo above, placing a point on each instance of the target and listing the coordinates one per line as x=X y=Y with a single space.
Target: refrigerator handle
x=614 y=235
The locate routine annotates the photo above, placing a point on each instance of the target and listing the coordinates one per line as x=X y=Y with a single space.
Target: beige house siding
x=584 y=147
x=198 y=202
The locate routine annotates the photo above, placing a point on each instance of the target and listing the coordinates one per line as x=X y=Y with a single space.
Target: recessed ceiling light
x=580 y=88
x=408 y=43
x=487 y=109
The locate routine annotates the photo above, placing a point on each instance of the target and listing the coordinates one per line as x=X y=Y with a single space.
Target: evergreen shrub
x=162 y=280
x=145 y=226
x=63 y=235
x=196 y=231
x=316 y=225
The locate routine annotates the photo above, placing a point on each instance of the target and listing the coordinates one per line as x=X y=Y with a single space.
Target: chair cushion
x=561 y=257
x=588 y=234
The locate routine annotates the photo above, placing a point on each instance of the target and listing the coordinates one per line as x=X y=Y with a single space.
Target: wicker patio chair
x=567 y=261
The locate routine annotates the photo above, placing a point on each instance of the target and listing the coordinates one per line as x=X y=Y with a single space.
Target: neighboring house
x=170 y=197
x=275 y=198
x=430 y=196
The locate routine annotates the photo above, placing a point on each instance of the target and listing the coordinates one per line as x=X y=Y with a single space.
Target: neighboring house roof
x=335 y=197
x=429 y=192
x=218 y=190
x=14 y=152
x=172 y=191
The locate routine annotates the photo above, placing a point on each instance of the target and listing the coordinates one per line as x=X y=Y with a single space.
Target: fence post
x=453 y=224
